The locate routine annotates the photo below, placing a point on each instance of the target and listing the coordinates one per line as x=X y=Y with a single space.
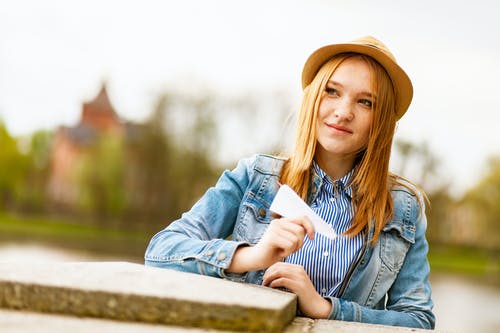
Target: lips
x=339 y=129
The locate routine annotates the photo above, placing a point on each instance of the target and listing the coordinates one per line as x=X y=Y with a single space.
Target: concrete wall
x=100 y=296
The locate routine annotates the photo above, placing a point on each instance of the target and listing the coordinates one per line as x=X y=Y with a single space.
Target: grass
x=471 y=261
x=91 y=238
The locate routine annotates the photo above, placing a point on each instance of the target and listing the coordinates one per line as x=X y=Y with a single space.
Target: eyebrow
x=364 y=93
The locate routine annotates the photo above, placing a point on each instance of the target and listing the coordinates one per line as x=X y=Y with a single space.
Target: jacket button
x=221 y=256
x=262 y=212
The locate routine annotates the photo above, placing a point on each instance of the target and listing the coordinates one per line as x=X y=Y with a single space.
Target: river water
x=461 y=305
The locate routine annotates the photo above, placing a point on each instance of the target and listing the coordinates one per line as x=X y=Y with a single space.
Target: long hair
x=371 y=181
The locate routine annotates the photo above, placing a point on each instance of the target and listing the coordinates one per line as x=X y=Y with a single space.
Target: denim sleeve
x=409 y=298
x=197 y=242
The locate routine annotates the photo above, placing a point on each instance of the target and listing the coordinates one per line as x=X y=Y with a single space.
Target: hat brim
x=400 y=80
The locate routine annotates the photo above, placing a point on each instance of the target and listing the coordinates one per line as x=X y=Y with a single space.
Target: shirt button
x=221 y=256
x=332 y=199
x=323 y=290
x=326 y=253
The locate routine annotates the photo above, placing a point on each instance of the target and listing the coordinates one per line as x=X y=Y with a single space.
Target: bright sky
x=55 y=54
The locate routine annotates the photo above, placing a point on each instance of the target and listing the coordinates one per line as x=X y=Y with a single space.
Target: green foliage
x=438 y=214
x=13 y=168
x=417 y=162
x=40 y=148
x=169 y=166
x=150 y=195
x=484 y=201
x=475 y=261
x=32 y=189
x=102 y=178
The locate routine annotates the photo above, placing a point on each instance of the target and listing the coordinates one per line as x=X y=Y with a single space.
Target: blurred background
x=115 y=116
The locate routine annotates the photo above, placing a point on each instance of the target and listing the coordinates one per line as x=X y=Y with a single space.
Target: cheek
x=365 y=128
x=323 y=110
x=322 y=114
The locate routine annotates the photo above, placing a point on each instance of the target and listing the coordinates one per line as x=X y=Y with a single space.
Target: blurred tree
x=196 y=140
x=483 y=200
x=150 y=196
x=169 y=162
x=39 y=150
x=32 y=195
x=13 y=168
x=102 y=178
x=418 y=163
x=405 y=149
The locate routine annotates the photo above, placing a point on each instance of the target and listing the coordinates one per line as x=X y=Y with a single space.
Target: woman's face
x=345 y=112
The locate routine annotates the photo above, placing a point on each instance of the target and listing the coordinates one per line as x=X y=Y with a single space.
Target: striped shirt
x=327 y=261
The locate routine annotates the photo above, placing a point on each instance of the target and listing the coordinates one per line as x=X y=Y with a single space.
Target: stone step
x=306 y=325
x=133 y=292
x=13 y=321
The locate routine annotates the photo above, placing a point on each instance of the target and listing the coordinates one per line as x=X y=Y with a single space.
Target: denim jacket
x=387 y=284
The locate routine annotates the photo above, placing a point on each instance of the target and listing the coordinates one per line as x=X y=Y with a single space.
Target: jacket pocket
x=253 y=220
x=395 y=242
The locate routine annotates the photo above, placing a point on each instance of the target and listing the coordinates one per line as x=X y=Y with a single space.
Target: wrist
x=243 y=260
x=319 y=309
x=325 y=309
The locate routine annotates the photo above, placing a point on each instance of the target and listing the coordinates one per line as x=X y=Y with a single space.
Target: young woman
x=377 y=271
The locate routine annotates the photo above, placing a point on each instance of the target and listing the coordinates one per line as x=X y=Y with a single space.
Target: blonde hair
x=371 y=181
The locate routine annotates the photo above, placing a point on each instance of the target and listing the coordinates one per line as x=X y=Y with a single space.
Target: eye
x=331 y=91
x=366 y=102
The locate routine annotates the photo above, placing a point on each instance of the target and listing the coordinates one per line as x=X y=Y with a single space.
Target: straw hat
x=372 y=47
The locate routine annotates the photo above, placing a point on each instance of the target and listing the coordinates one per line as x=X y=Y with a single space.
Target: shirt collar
x=343 y=184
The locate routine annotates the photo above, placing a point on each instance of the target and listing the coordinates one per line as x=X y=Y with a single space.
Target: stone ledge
x=133 y=292
x=116 y=294
x=12 y=321
x=306 y=325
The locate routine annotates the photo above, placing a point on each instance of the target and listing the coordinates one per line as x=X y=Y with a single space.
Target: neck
x=335 y=167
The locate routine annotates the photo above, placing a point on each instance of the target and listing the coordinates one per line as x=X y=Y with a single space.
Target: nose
x=344 y=110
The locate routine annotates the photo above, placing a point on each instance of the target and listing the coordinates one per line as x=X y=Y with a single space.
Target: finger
x=283 y=282
x=306 y=225
x=277 y=270
x=291 y=231
x=280 y=242
x=287 y=242
x=268 y=280
x=297 y=233
x=271 y=273
x=294 y=225
x=300 y=227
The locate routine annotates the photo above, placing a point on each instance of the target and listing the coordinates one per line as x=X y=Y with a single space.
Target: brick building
x=98 y=117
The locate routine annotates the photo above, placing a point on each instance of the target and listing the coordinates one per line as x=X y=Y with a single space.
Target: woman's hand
x=283 y=237
x=294 y=278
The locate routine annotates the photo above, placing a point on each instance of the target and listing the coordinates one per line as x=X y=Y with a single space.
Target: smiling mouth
x=339 y=129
